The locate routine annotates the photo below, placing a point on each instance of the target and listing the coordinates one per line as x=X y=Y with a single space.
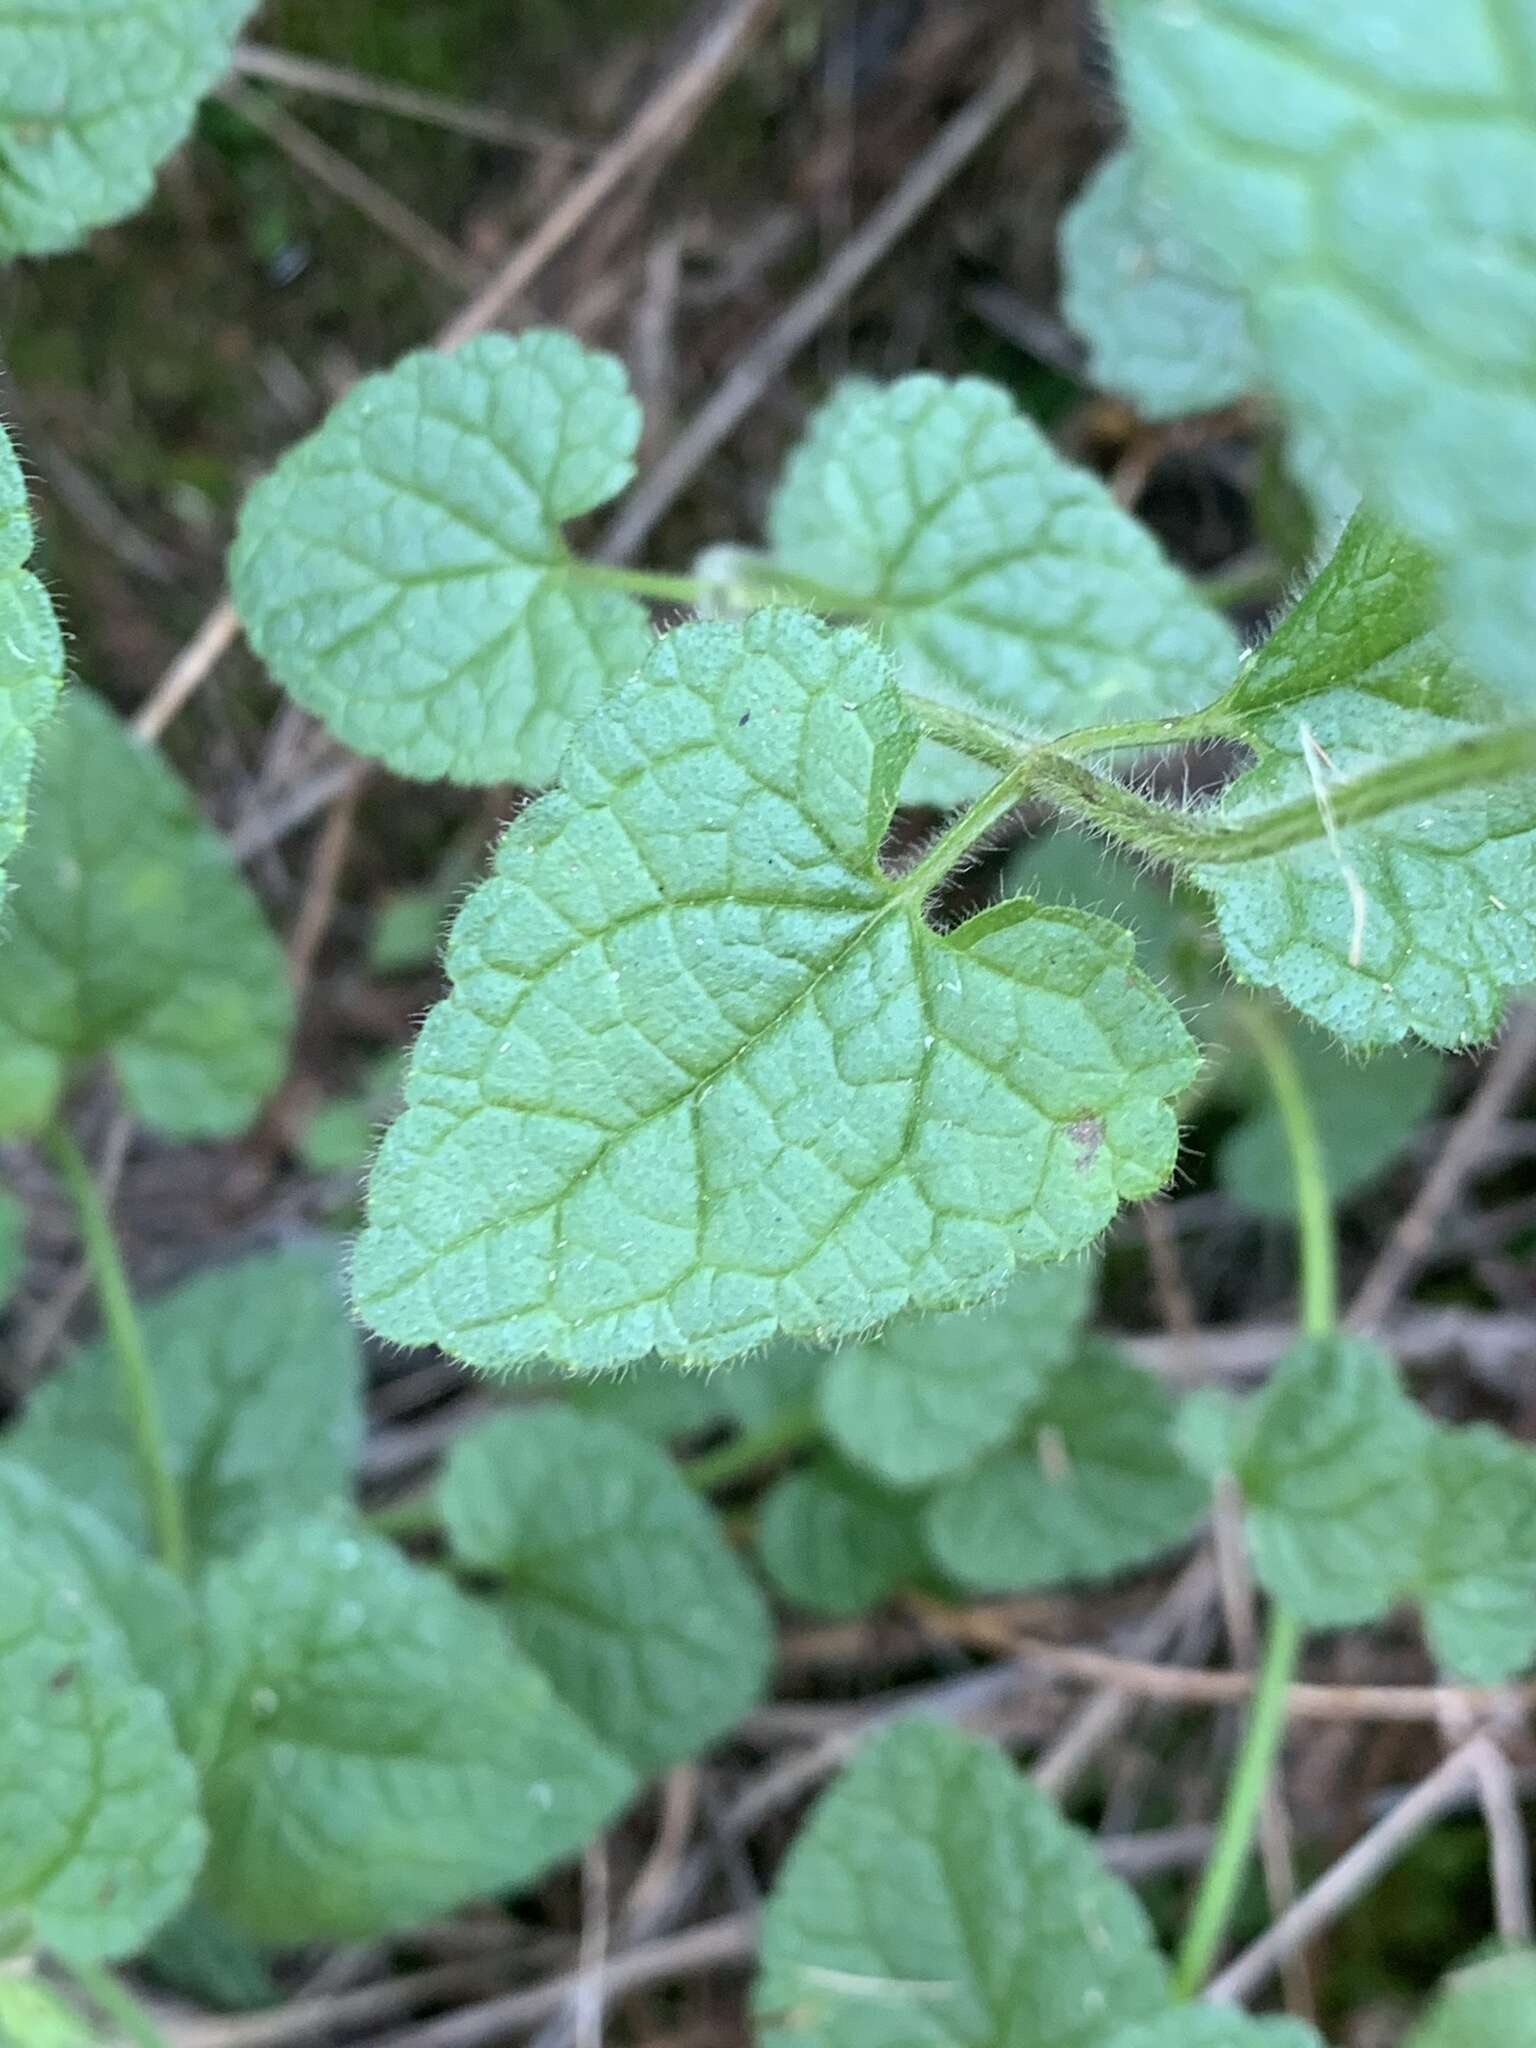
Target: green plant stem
x=655 y=583
x=140 y=1399
x=1223 y=1874
x=1235 y=1831
x=735 y=1460
x=1058 y=769
x=1314 y=1204
x=117 y=2003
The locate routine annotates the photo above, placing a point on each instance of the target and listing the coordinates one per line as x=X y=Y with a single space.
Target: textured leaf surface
x=935 y=1899
x=1489 y=2004
x=834 y=1541
x=1330 y=1459
x=1093 y=1484
x=96 y=93
x=31 y=646
x=1362 y=176
x=1366 y=1112
x=257 y=1372
x=1163 y=325
x=707 y=1073
x=999 y=575
x=616 y=1579
x=132 y=934
x=372 y=1751
x=933 y=1392
x=1205 y=2026
x=149 y=1610
x=403 y=574
x=1063 y=866
x=1478 y=1577
x=97 y=1809
x=1448 y=888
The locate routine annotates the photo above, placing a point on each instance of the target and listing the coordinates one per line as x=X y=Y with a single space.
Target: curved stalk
x=140 y=1397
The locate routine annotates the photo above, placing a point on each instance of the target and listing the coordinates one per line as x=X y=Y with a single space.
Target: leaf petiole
x=141 y=1402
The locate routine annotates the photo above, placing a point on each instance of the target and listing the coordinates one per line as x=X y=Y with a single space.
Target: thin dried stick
x=1509 y=1859
x=1489 y=1103
x=805 y=315
x=1375 y=1852
x=660 y=126
x=308 y=2019
x=715 y=1945
x=1305 y=1702
x=352 y=185
x=186 y=674
x=434 y=109
x=590 y=1994
x=319 y=900
x=1070 y=1755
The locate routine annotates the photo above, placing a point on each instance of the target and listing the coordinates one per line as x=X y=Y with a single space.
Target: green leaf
x=257 y=1372
x=999 y=575
x=1441 y=920
x=149 y=1610
x=1209 y=2026
x=1173 y=943
x=31 y=645
x=932 y=1393
x=97 y=1806
x=1164 y=326
x=1477 y=1578
x=133 y=934
x=13 y=1230
x=97 y=94
x=33 y=2015
x=1330 y=1459
x=1366 y=1112
x=1367 y=192
x=403 y=575
x=614 y=1577
x=206 y=1959
x=832 y=1540
x=935 y=1899
x=373 y=1753
x=706 y=1073
x=1093 y=1485
x=1487 y=2004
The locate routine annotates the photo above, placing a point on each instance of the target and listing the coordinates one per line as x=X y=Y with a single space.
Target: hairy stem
x=1314 y=1204
x=141 y=1404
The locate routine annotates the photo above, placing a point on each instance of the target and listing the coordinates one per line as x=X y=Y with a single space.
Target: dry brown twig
x=1410 y=1244
x=659 y=127
x=383 y=96
x=351 y=184
x=1355 y=1871
x=805 y=314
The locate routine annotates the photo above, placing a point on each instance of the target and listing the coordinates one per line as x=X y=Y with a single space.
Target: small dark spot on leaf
x=1087 y=1134
x=743 y=718
x=65 y=1676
